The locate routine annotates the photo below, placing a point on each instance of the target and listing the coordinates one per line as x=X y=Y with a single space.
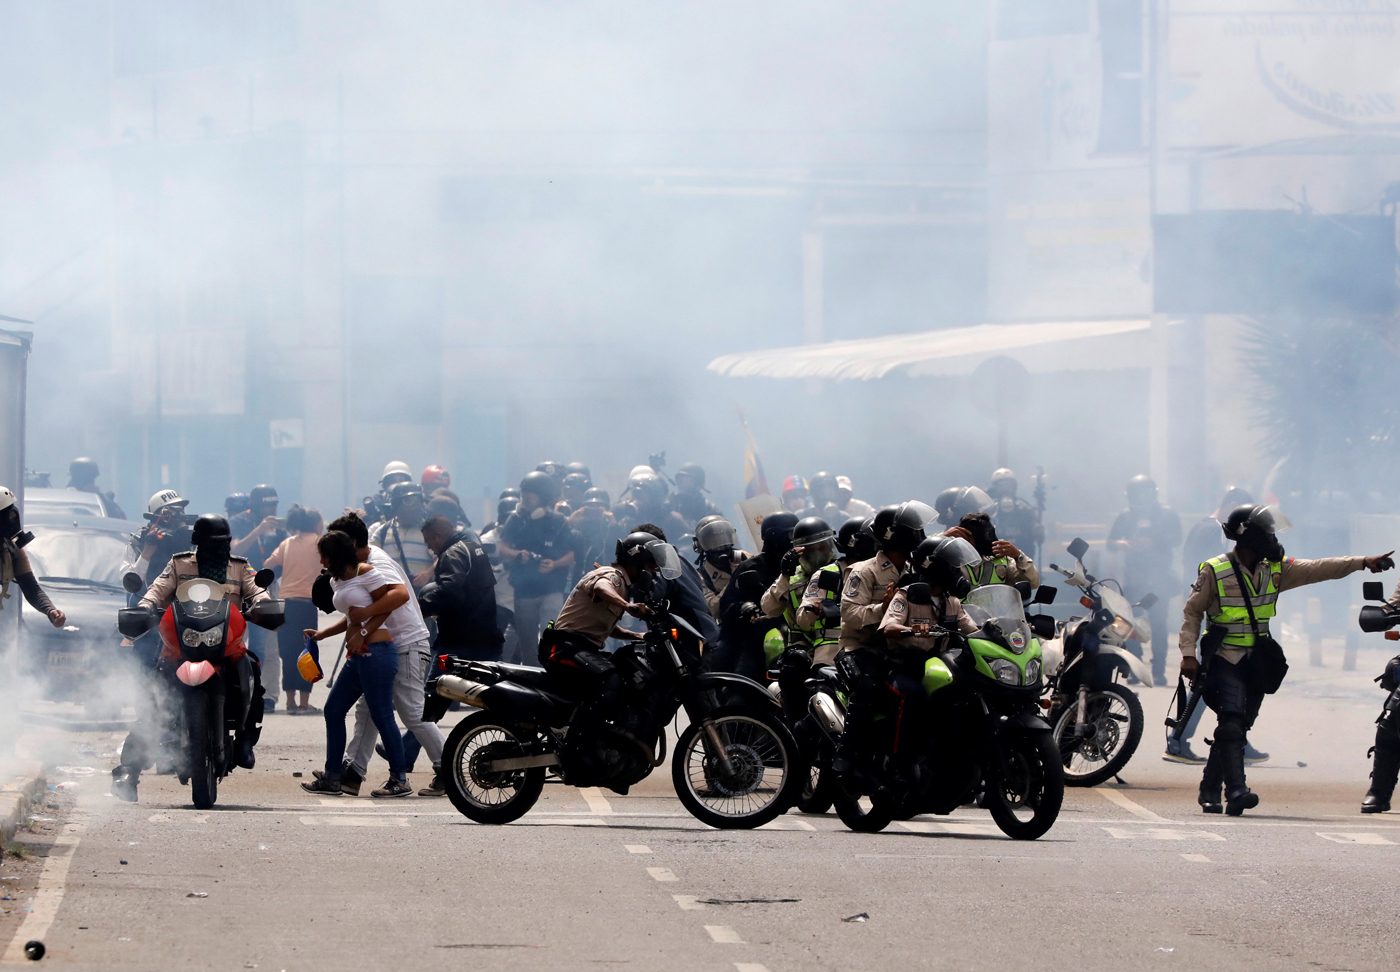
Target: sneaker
x=350 y=782
x=1183 y=755
x=305 y=710
x=434 y=789
x=323 y=787
x=393 y=788
x=1252 y=755
x=269 y=707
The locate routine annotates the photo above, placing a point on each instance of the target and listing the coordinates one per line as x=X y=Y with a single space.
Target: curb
x=17 y=797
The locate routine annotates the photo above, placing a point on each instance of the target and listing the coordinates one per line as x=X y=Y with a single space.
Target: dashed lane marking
x=959 y=829
x=1196 y=858
x=1136 y=809
x=688 y=902
x=346 y=820
x=550 y=821
x=662 y=874
x=788 y=823
x=750 y=967
x=724 y=935
x=1161 y=833
x=637 y=848
x=49 y=894
x=1354 y=838
x=595 y=799
x=158 y=818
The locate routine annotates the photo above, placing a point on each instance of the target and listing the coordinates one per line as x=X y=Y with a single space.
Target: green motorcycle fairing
x=983 y=651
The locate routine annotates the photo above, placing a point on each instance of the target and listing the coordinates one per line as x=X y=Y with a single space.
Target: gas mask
x=814 y=557
x=10 y=527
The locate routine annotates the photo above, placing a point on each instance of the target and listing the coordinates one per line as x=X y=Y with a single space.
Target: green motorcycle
x=980 y=740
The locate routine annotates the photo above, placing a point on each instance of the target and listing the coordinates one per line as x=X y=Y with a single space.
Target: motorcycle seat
x=520 y=674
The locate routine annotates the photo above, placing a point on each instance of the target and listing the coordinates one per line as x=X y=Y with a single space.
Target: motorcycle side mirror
x=264 y=578
x=1042 y=625
x=1375 y=618
x=134 y=622
x=1024 y=589
x=269 y=614
x=131 y=581
x=1077 y=548
x=918 y=593
x=1045 y=594
x=1147 y=601
x=1373 y=591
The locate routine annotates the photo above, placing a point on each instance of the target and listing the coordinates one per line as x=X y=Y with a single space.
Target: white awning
x=1040 y=347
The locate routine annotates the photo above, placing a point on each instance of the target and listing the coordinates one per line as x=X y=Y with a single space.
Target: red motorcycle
x=205 y=644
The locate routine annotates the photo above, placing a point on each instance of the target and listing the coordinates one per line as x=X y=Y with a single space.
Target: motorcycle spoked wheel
x=764 y=778
x=818 y=791
x=204 y=721
x=1116 y=716
x=1024 y=799
x=478 y=793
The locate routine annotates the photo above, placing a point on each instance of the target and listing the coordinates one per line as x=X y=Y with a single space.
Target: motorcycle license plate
x=75 y=662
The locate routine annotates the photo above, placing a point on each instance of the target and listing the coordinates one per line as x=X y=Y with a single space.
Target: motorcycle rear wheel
x=202 y=725
x=864 y=814
x=1115 y=714
x=484 y=796
x=765 y=777
x=1026 y=802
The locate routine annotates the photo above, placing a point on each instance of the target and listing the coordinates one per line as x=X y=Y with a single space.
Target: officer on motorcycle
x=868 y=591
x=955 y=502
x=743 y=628
x=801 y=569
x=212 y=560
x=1239 y=661
x=717 y=556
x=1001 y=561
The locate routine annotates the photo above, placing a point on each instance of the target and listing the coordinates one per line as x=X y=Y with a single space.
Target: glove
x=749 y=611
x=790 y=562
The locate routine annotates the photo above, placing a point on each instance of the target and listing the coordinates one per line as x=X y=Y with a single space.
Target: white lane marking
x=1196 y=858
x=345 y=820
x=158 y=818
x=750 y=967
x=961 y=829
x=49 y=894
x=1162 y=833
x=662 y=874
x=562 y=822
x=788 y=823
x=688 y=902
x=200 y=818
x=1137 y=810
x=1354 y=838
x=724 y=935
x=637 y=848
x=597 y=803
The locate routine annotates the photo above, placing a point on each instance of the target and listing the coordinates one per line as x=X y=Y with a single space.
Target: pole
x=346 y=465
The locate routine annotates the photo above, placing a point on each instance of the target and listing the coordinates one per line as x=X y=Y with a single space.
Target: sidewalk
x=22 y=784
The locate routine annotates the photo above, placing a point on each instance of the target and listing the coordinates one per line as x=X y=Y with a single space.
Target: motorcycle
x=1097 y=720
x=982 y=740
x=208 y=634
x=735 y=765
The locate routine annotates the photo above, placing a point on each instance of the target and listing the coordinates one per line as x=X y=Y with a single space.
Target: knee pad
x=1230 y=731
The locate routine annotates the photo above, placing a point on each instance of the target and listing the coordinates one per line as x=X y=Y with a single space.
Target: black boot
x=1211 y=780
x=1384 y=771
x=1230 y=739
x=124 y=781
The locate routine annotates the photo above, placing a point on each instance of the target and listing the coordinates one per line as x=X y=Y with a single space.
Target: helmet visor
x=815 y=540
x=958 y=552
x=926 y=513
x=668 y=562
x=973 y=500
x=1270 y=519
x=716 y=535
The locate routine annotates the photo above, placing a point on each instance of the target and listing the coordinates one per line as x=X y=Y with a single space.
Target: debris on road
x=863 y=916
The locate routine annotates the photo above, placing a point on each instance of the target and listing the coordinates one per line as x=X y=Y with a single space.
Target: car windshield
x=83 y=555
x=50 y=505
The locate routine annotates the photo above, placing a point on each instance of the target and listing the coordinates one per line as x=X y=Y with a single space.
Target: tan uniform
x=1204 y=600
x=716 y=580
x=857 y=509
x=775 y=600
x=902 y=614
x=182 y=567
x=862 y=600
x=587 y=614
x=810 y=614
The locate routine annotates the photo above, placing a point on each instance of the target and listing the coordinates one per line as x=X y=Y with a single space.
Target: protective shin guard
x=1230 y=738
x=1384 y=771
x=1211 y=779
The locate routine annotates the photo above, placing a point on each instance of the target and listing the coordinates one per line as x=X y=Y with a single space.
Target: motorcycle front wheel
x=203 y=724
x=1024 y=797
x=818 y=791
x=485 y=795
x=864 y=814
x=1113 y=719
x=761 y=777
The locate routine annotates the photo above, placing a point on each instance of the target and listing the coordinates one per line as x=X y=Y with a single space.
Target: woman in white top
x=371 y=662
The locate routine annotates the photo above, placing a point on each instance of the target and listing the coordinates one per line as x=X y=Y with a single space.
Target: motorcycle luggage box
x=525 y=701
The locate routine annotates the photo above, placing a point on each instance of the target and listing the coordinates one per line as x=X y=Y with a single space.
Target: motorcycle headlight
x=1121 y=629
x=1006 y=671
x=1032 y=671
x=192 y=638
x=213 y=636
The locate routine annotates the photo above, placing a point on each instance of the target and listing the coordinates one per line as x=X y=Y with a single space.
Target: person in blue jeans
x=371 y=662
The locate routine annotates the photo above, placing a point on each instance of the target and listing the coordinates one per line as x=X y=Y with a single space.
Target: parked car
x=61 y=505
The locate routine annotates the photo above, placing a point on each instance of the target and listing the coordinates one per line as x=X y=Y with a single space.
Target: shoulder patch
x=235 y=559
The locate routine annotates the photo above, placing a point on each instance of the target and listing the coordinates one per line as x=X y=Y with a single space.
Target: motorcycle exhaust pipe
x=827 y=713
x=459 y=689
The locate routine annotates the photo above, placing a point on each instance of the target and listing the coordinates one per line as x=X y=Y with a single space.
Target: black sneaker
x=393 y=788
x=350 y=782
x=434 y=789
x=323 y=787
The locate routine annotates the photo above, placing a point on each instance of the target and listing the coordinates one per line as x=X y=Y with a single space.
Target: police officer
x=869 y=589
x=855 y=543
x=813 y=548
x=14 y=562
x=1238 y=592
x=1015 y=519
x=955 y=502
x=1386 y=767
x=689 y=501
x=717 y=556
x=82 y=476
x=212 y=560
x=826 y=499
x=857 y=509
x=743 y=628
x=648 y=503
x=1147 y=532
x=1001 y=561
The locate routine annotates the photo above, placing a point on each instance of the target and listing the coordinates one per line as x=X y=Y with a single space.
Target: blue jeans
x=371 y=675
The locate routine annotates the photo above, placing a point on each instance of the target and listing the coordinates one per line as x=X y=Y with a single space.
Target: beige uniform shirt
x=903 y=614
x=586 y=613
x=718 y=580
x=775 y=600
x=1204 y=600
x=857 y=509
x=862 y=600
x=183 y=567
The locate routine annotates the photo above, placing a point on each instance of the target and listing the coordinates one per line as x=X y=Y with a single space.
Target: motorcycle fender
x=1025 y=722
x=1135 y=664
x=195 y=674
x=737 y=684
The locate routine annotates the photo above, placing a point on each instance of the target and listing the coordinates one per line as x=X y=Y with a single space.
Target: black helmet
x=956 y=502
x=940 y=561
x=210 y=528
x=649 y=487
x=542 y=484
x=815 y=541
x=236 y=503
x=258 y=494
x=82 y=471
x=505 y=507
x=510 y=492
x=577 y=481
x=636 y=550
x=824 y=488
x=596 y=496
x=694 y=471
x=552 y=469
x=1142 y=490
x=578 y=467
x=1236 y=496
x=984 y=532
x=898 y=528
x=775 y=532
x=714 y=533
x=856 y=540
x=1257 y=527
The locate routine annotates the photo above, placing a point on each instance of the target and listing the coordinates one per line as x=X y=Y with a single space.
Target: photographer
x=167 y=532
x=537 y=548
x=257 y=534
x=14 y=564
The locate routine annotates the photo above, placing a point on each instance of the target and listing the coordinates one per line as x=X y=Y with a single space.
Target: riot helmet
x=1257 y=528
x=395 y=472
x=690 y=478
x=714 y=534
x=775 y=532
x=898 y=528
x=1142 y=491
x=1003 y=484
x=639 y=551
x=543 y=487
x=82 y=472
x=939 y=562
x=957 y=501
x=815 y=542
x=855 y=540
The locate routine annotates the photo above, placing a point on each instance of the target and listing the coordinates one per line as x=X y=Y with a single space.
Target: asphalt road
x=1131 y=876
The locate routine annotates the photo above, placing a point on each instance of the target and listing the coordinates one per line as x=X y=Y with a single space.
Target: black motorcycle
x=735 y=764
x=205 y=641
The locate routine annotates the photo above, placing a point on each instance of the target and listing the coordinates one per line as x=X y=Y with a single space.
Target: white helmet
x=395 y=468
x=7 y=498
x=166 y=497
x=640 y=471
